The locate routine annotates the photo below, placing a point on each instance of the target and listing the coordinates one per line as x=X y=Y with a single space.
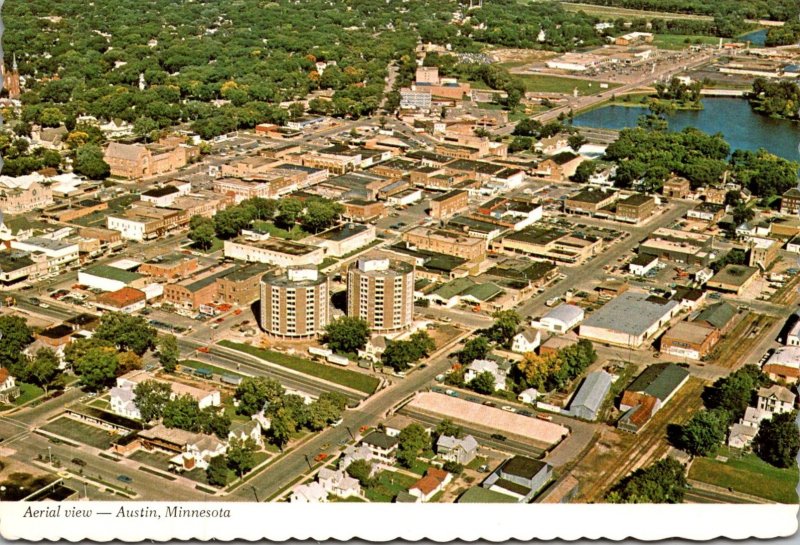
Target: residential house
x=248 y=430
x=339 y=483
x=432 y=483
x=790 y=202
x=9 y=391
x=452 y=449
x=478 y=367
x=529 y=396
x=520 y=477
x=313 y=492
x=382 y=447
x=776 y=399
x=527 y=340
x=352 y=454
x=191 y=450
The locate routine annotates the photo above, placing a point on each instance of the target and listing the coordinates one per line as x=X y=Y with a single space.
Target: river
x=739 y=124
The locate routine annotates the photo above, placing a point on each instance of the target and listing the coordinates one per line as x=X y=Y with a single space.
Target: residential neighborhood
x=425 y=272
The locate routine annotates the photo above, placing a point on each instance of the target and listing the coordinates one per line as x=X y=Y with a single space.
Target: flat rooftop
x=342 y=232
x=281 y=246
x=631 y=312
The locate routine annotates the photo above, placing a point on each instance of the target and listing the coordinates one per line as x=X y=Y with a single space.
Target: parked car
x=124 y=479
x=78 y=462
x=490 y=403
x=321 y=457
x=498 y=437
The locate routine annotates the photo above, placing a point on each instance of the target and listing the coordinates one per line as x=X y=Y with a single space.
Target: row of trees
x=780 y=10
x=662 y=482
x=556 y=370
x=314 y=215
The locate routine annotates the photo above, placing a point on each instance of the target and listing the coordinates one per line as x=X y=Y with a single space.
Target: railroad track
x=652 y=444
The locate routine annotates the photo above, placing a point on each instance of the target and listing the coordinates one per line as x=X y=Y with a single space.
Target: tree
x=43 y=369
x=361 y=470
x=168 y=352
x=215 y=422
x=399 y=355
x=321 y=214
x=411 y=442
x=240 y=455
x=661 y=482
x=218 y=473
x=453 y=467
x=474 y=349
x=89 y=162
x=483 y=383
x=201 y=232
x=289 y=211
x=15 y=336
x=282 y=426
x=74 y=351
x=127 y=332
x=128 y=361
x=347 y=335
x=255 y=392
x=424 y=343
x=778 y=440
x=151 y=398
x=704 y=432
x=182 y=412
x=506 y=324
x=446 y=427
x=584 y=171
x=742 y=213
x=575 y=141
x=733 y=393
x=97 y=367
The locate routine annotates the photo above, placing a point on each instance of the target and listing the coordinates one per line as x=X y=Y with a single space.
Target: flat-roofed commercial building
x=678 y=246
x=241 y=285
x=343 y=239
x=169 y=266
x=59 y=253
x=629 y=319
x=381 y=291
x=590 y=201
x=733 y=279
x=446 y=242
x=295 y=302
x=547 y=243
x=635 y=208
x=142 y=223
x=448 y=204
x=283 y=253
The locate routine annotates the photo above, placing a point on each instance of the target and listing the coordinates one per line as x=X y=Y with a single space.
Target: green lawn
x=100 y=404
x=419 y=467
x=353 y=379
x=296 y=233
x=389 y=485
x=351 y=499
x=477 y=462
x=747 y=474
x=327 y=262
x=216 y=246
x=27 y=392
x=80 y=432
x=555 y=84
x=679 y=41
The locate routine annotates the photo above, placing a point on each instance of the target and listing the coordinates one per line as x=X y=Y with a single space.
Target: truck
x=322 y=352
x=338 y=360
x=231 y=379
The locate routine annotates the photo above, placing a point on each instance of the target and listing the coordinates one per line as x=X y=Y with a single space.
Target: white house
x=247 y=430
x=339 y=483
x=775 y=400
x=461 y=451
x=703 y=275
x=741 y=435
x=483 y=366
x=560 y=319
x=529 y=396
x=432 y=483
x=313 y=492
x=793 y=336
x=526 y=340
x=352 y=454
x=9 y=391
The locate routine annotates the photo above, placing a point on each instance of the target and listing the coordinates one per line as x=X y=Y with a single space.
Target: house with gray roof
x=589 y=399
x=498 y=371
x=452 y=449
x=519 y=477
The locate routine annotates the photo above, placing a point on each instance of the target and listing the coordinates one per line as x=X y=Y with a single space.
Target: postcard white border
x=374 y=522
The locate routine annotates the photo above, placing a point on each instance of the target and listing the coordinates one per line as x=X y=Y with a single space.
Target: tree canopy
x=347 y=335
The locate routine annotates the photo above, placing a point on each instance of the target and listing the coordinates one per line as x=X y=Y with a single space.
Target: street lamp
x=255 y=493
x=353 y=437
x=310 y=467
x=50 y=454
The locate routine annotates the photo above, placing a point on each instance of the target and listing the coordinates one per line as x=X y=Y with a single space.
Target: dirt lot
x=511 y=57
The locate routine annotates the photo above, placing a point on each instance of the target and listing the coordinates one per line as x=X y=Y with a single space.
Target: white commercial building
x=59 y=254
x=561 y=319
x=629 y=320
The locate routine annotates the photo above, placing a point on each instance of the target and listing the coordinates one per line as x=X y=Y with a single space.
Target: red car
x=321 y=457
